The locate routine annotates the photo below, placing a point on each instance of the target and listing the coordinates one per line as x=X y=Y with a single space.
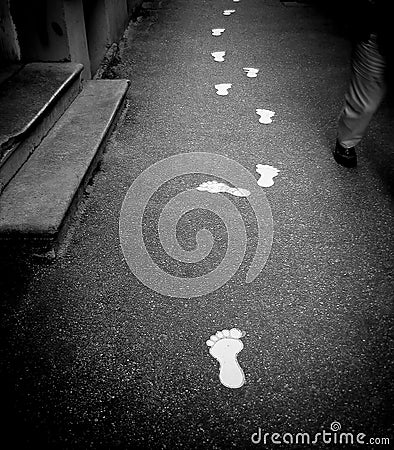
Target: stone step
x=31 y=101
x=37 y=204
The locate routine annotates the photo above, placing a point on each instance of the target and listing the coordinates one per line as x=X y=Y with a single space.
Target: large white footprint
x=267 y=174
x=265 y=115
x=228 y=12
x=222 y=89
x=251 y=72
x=215 y=188
x=218 y=56
x=225 y=346
x=217 y=31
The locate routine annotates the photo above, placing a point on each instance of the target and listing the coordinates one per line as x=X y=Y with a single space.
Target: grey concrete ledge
x=25 y=97
x=37 y=203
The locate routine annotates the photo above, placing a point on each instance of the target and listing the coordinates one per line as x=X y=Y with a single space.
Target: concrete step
x=37 y=204
x=31 y=101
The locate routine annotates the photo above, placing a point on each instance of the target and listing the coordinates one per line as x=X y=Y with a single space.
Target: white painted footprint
x=215 y=187
x=217 y=31
x=228 y=12
x=225 y=346
x=218 y=56
x=222 y=89
x=251 y=72
x=265 y=115
x=267 y=175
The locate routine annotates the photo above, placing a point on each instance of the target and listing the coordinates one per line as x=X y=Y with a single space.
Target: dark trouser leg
x=366 y=91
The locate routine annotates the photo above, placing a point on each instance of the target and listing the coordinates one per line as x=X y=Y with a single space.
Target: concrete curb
x=19 y=145
x=37 y=205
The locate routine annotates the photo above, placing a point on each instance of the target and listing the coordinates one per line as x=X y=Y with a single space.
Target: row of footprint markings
x=225 y=345
x=266 y=172
x=222 y=89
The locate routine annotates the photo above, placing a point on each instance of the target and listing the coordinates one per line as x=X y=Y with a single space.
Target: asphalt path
x=94 y=356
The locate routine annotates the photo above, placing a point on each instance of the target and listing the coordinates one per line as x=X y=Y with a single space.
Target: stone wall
x=62 y=30
x=9 y=45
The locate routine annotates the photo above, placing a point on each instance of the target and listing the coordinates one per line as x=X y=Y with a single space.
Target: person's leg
x=366 y=91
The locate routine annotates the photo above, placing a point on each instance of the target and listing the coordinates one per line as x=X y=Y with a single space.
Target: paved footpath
x=106 y=348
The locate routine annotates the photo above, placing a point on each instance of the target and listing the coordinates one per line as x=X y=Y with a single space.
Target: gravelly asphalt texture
x=93 y=359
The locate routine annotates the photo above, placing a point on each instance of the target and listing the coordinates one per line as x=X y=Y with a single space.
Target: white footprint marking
x=222 y=89
x=225 y=346
x=218 y=56
x=251 y=72
x=236 y=1
x=265 y=115
x=228 y=12
x=217 y=31
x=214 y=187
x=267 y=175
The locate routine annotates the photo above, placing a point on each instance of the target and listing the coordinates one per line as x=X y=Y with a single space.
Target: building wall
x=106 y=21
x=76 y=35
x=62 y=30
x=97 y=31
x=9 y=45
x=41 y=29
x=117 y=14
x=132 y=5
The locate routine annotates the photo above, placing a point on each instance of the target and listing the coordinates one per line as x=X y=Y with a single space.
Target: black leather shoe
x=345 y=156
